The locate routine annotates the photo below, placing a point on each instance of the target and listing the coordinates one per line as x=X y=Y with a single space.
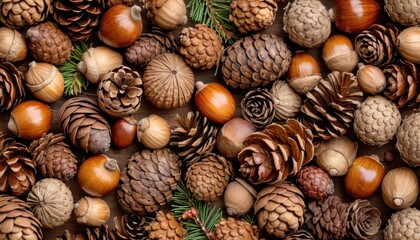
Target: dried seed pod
x=400 y=188
x=239 y=197
x=304 y=72
x=339 y=54
x=258 y=107
x=370 y=78
x=91 y=211
x=153 y=132
x=287 y=101
x=12 y=45
x=167 y=14
x=314 y=182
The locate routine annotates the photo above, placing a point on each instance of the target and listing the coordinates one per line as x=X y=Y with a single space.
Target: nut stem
x=111 y=165
x=135 y=12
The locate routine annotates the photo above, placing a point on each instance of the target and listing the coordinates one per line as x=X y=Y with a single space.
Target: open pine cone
x=165 y=227
x=234 y=229
x=299 y=235
x=252 y=15
x=364 y=220
x=16 y=14
x=258 y=107
x=11 y=86
x=130 y=227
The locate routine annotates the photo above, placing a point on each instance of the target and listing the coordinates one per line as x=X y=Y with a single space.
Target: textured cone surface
x=403 y=225
x=148 y=180
x=234 y=229
x=165 y=227
x=258 y=107
x=130 y=227
x=81 y=122
x=16 y=14
x=94 y=233
x=300 y=235
x=364 y=220
x=405 y=12
x=280 y=209
x=408 y=140
x=315 y=182
x=252 y=15
x=255 y=60
x=287 y=101
x=278 y=151
x=111 y=3
x=11 y=86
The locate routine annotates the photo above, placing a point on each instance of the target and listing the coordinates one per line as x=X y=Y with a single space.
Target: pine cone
x=147 y=182
x=252 y=15
x=82 y=123
x=233 y=229
x=403 y=225
x=79 y=17
x=278 y=151
x=404 y=12
x=201 y=46
x=16 y=14
x=408 y=139
x=279 y=209
x=287 y=101
x=255 y=60
x=16 y=167
x=300 y=235
x=364 y=220
x=130 y=227
x=258 y=107
x=53 y=157
x=194 y=137
x=111 y=3
x=315 y=182
x=96 y=233
x=377 y=44
x=329 y=108
x=11 y=86
x=165 y=227
x=327 y=218
x=17 y=221
x=119 y=92
x=208 y=178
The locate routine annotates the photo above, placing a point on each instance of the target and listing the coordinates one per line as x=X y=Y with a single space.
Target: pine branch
x=250 y=218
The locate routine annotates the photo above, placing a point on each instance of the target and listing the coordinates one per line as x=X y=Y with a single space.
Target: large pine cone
x=119 y=92
x=377 y=44
x=300 y=235
x=280 y=209
x=201 y=46
x=403 y=225
x=233 y=229
x=315 y=182
x=16 y=167
x=165 y=227
x=208 y=178
x=147 y=182
x=329 y=108
x=53 y=157
x=252 y=15
x=17 y=221
x=327 y=218
x=364 y=220
x=79 y=17
x=16 y=14
x=255 y=60
x=11 y=86
x=194 y=137
x=404 y=12
x=258 y=107
x=269 y=156
x=130 y=227
x=82 y=123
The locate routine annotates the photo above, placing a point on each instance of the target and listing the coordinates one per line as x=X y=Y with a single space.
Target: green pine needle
x=250 y=218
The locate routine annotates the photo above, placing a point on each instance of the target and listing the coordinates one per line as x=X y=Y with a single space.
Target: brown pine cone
x=194 y=137
x=119 y=92
x=329 y=108
x=130 y=227
x=81 y=122
x=408 y=137
x=252 y=15
x=17 y=221
x=279 y=209
x=278 y=151
x=234 y=229
x=165 y=227
x=300 y=235
x=377 y=44
x=327 y=218
x=255 y=60
x=94 y=233
x=201 y=46
x=364 y=220
x=208 y=178
x=53 y=157
x=11 y=86
x=315 y=182
x=403 y=225
x=404 y=12
x=111 y=3
x=16 y=14
x=147 y=182
x=258 y=107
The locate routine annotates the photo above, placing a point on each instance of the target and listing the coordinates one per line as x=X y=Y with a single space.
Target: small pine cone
x=119 y=92
x=258 y=107
x=194 y=137
x=130 y=227
x=377 y=44
x=233 y=229
x=403 y=225
x=147 y=182
x=48 y=43
x=165 y=227
x=208 y=178
x=364 y=220
x=315 y=182
x=403 y=12
x=252 y=15
x=201 y=46
x=53 y=157
x=11 y=86
x=16 y=14
x=327 y=218
x=279 y=209
x=300 y=235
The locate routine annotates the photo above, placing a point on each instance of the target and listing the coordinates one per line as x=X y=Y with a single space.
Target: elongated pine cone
x=287 y=101
x=408 y=139
x=130 y=227
x=252 y=15
x=329 y=108
x=279 y=209
x=403 y=225
x=364 y=220
x=255 y=60
x=315 y=182
x=165 y=227
x=258 y=107
x=16 y=14
x=234 y=229
x=299 y=235
x=403 y=12
x=148 y=180
x=278 y=151
x=53 y=157
x=11 y=86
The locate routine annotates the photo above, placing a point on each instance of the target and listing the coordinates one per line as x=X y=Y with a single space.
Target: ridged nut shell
x=153 y=132
x=13 y=47
x=287 y=101
x=408 y=139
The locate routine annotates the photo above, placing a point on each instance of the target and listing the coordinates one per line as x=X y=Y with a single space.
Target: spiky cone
x=16 y=167
x=16 y=14
x=148 y=180
x=82 y=123
x=208 y=178
x=194 y=137
x=377 y=44
x=300 y=235
x=278 y=151
x=17 y=220
x=234 y=229
x=119 y=92
x=53 y=157
x=165 y=227
x=279 y=209
x=201 y=46
x=408 y=139
x=255 y=60
x=130 y=227
x=403 y=225
x=364 y=220
x=328 y=109
x=252 y=15
x=258 y=107
x=11 y=86
x=315 y=182
x=404 y=12
x=79 y=17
